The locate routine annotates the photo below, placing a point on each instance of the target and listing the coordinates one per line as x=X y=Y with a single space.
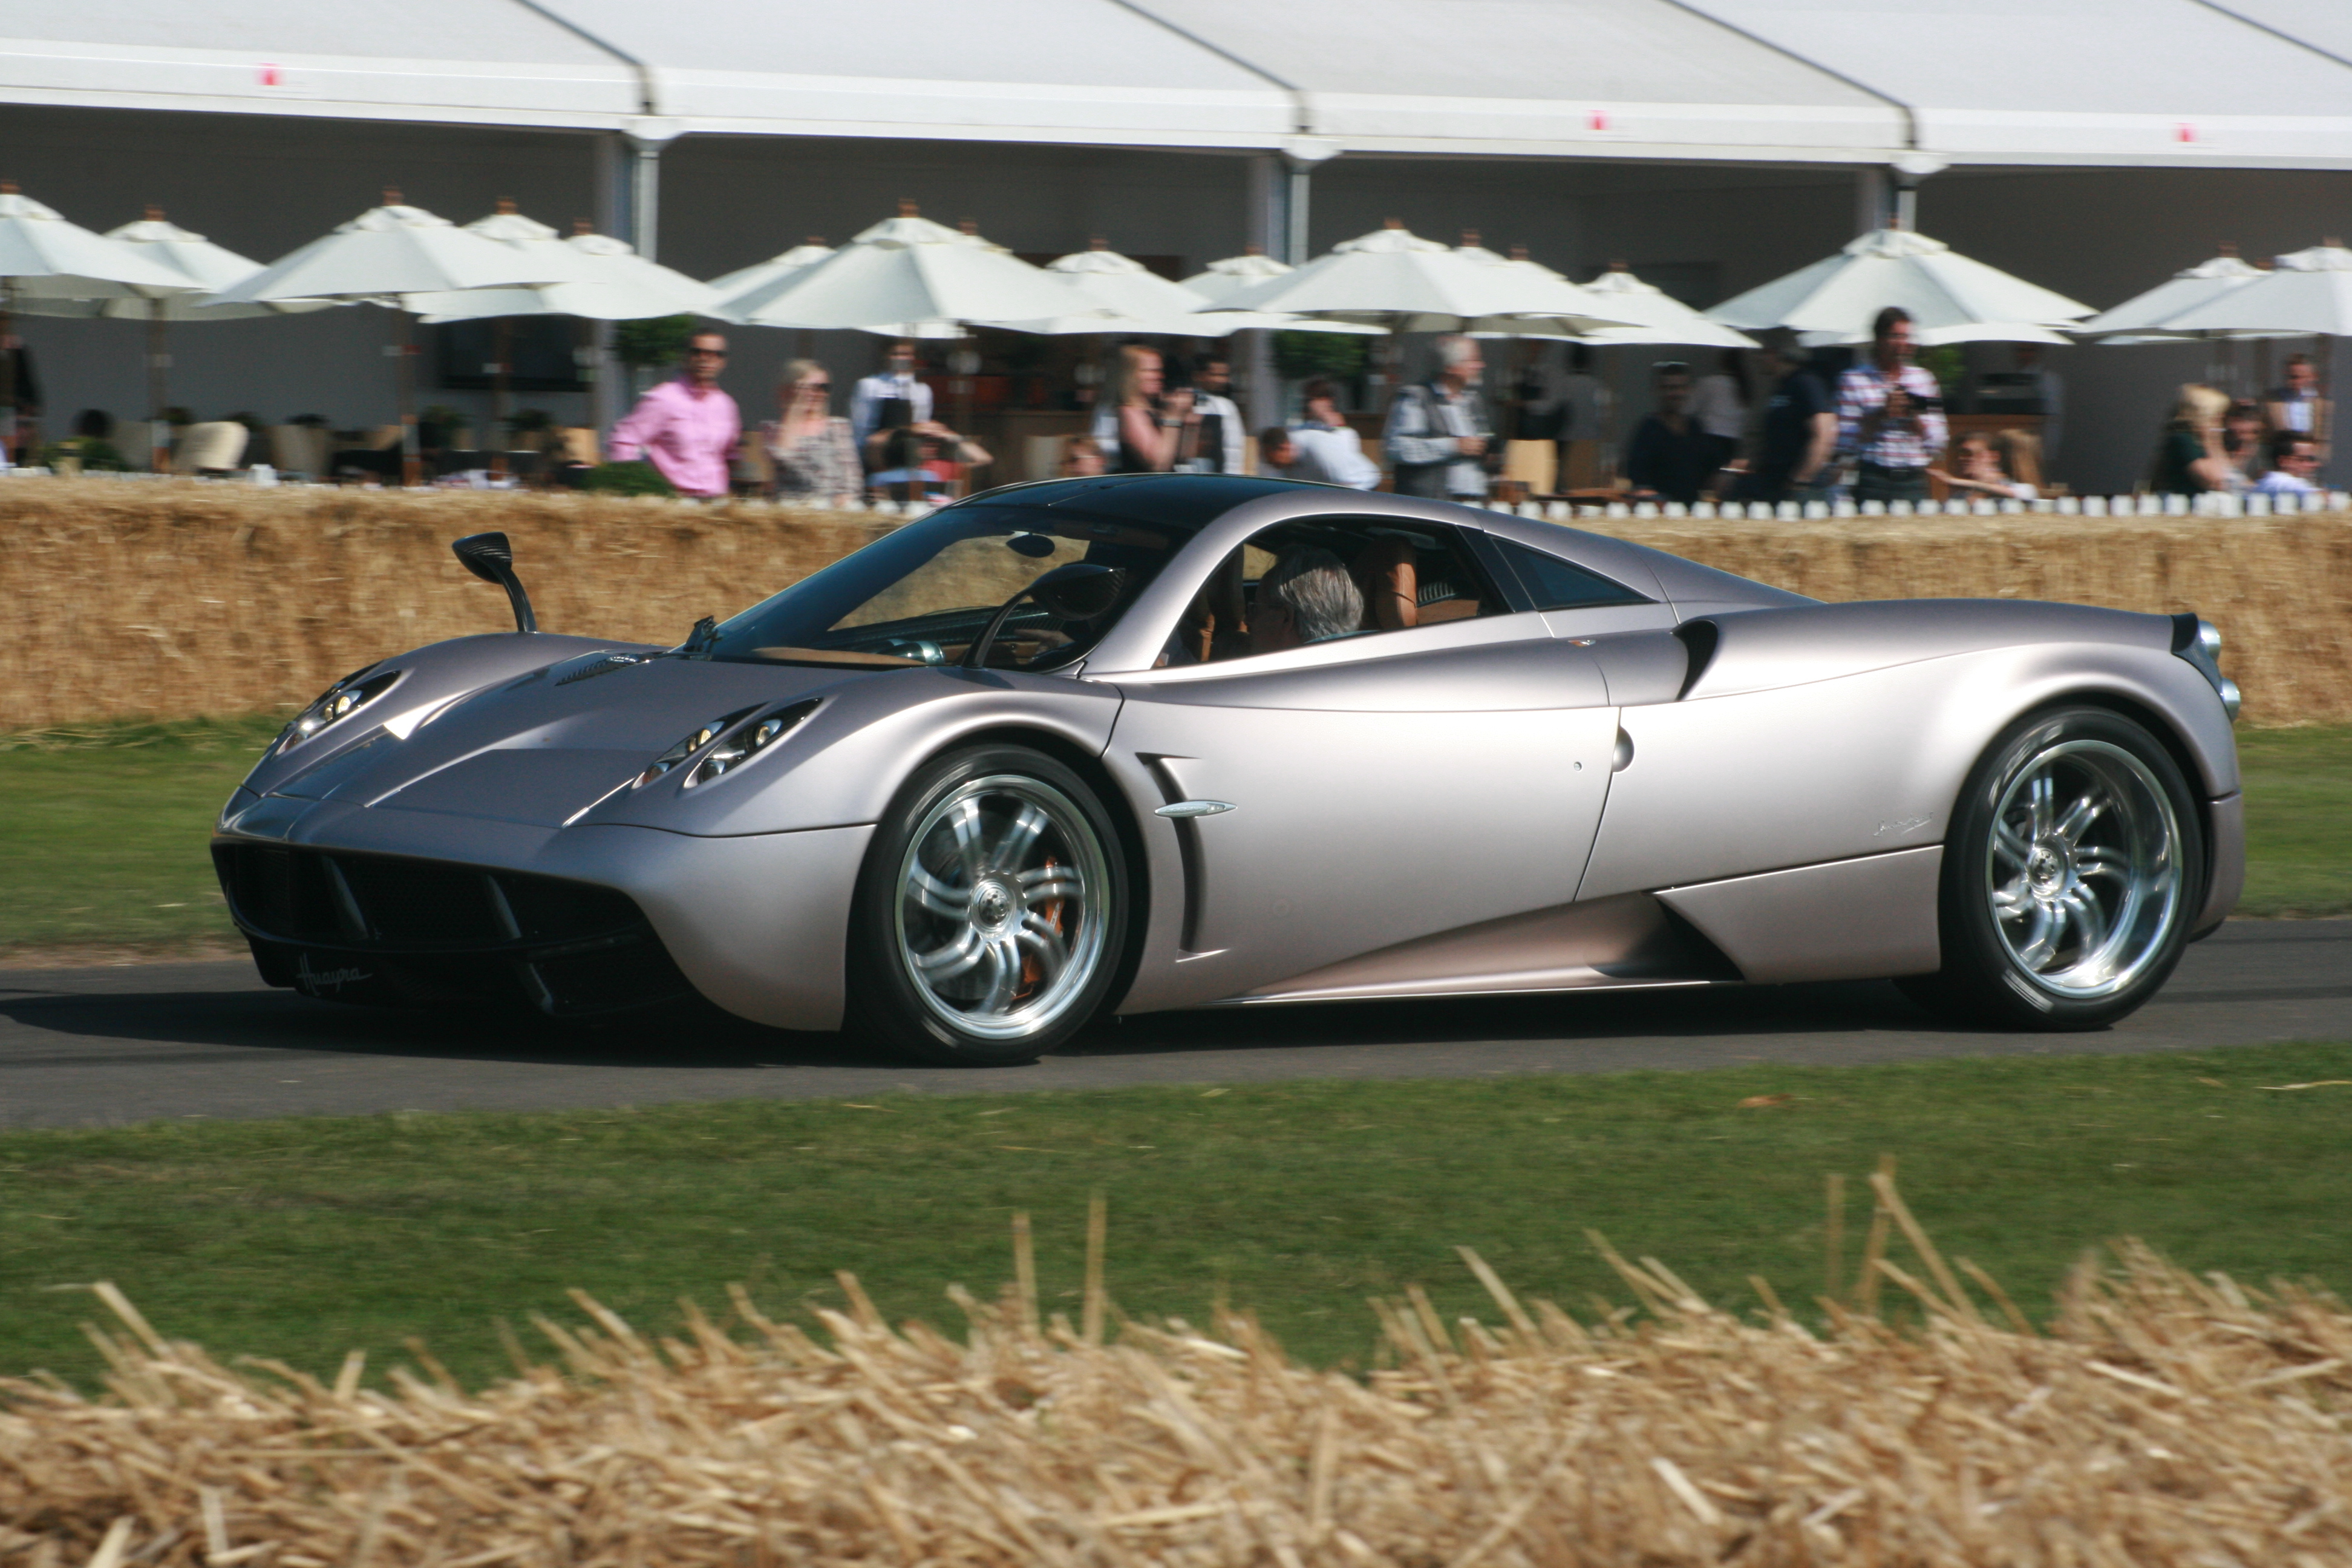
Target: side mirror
x=1080 y=591
x=490 y=557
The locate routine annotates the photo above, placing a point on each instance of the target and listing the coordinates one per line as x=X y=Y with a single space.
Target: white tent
x=1222 y=278
x=1118 y=294
x=613 y=284
x=1952 y=298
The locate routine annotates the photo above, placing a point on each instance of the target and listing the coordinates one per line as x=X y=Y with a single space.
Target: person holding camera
x=1891 y=415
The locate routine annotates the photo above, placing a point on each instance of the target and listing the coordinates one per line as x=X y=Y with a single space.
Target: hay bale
x=2161 y=1421
x=170 y=601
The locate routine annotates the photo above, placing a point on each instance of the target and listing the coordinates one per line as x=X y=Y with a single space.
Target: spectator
x=2295 y=466
x=1329 y=450
x=2245 y=441
x=686 y=427
x=1891 y=415
x=1718 y=406
x=1218 y=445
x=1589 y=413
x=928 y=460
x=890 y=400
x=1306 y=596
x=1152 y=420
x=2298 y=406
x=1795 y=430
x=1081 y=459
x=1668 y=459
x=2189 y=461
x=1437 y=437
x=814 y=458
x=20 y=399
x=1278 y=455
x=1539 y=406
x=2027 y=357
x=1973 y=471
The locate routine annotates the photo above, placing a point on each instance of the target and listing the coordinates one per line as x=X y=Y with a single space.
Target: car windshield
x=921 y=595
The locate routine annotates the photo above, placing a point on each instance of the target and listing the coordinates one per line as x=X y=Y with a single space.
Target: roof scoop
x=490 y=557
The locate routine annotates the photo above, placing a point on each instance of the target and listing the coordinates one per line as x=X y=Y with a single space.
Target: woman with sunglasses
x=814 y=458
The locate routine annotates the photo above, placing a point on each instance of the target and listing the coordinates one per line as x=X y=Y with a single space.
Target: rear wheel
x=2073 y=871
x=991 y=913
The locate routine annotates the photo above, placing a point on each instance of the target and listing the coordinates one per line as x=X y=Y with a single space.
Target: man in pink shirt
x=685 y=427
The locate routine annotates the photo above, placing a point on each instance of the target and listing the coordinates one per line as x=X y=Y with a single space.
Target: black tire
x=2048 y=929
x=1002 y=867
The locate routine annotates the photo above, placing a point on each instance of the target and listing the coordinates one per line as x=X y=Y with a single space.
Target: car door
x=1365 y=793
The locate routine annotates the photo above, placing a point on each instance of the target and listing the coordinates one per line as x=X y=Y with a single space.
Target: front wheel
x=991 y=913
x=2073 y=871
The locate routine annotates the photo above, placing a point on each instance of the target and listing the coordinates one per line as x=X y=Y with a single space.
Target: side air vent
x=1700 y=638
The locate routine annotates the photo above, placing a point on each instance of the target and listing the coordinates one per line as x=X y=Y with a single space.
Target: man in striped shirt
x=1891 y=415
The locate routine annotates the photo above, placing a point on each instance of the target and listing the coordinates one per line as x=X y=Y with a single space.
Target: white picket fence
x=2216 y=504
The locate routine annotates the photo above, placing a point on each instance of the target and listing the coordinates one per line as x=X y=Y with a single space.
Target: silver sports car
x=1141 y=742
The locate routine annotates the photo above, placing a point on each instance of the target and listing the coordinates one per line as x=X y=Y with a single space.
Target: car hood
x=542 y=748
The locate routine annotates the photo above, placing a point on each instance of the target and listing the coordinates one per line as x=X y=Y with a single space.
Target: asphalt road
x=107 y=1046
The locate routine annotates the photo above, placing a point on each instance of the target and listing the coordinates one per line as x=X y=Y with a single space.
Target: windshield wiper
x=701 y=639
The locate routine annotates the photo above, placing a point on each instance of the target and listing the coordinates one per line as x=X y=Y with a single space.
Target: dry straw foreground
x=2163 y=1422
x=170 y=601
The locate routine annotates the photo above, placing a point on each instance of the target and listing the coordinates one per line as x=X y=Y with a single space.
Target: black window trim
x=1528 y=599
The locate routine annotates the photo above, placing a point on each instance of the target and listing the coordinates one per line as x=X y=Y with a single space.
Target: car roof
x=1185 y=500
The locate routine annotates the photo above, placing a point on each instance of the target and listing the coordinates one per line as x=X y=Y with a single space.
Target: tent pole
x=158 y=364
x=412 y=461
x=500 y=381
x=7 y=373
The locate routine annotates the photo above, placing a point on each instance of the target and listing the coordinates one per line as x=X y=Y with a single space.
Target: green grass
x=306 y=1238
x=2298 y=821
x=103 y=840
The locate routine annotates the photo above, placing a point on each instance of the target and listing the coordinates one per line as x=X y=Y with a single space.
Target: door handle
x=1187 y=808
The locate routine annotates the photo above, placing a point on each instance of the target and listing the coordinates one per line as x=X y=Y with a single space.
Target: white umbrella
x=747 y=283
x=38 y=250
x=1661 y=318
x=1392 y=278
x=203 y=268
x=394 y=250
x=2146 y=317
x=2309 y=293
x=908 y=277
x=615 y=284
x=1222 y=278
x=1117 y=293
x=1951 y=298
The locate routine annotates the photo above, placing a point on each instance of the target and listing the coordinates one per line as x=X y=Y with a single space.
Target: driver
x=1307 y=596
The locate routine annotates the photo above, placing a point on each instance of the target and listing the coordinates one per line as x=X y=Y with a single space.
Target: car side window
x=1552 y=584
x=1319 y=579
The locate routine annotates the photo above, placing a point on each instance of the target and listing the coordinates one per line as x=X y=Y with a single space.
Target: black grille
x=380 y=928
x=418 y=904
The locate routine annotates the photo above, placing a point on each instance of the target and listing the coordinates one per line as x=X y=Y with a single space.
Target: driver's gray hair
x=1323 y=599
x=1454 y=348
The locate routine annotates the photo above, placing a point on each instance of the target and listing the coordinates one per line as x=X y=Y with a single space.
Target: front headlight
x=336 y=703
x=701 y=736
x=2200 y=642
x=748 y=742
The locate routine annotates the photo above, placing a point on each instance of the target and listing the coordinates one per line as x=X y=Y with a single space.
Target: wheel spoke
x=2011 y=898
x=1019 y=834
x=1003 y=976
x=957 y=957
x=2040 y=798
x=931 y=893
x=1048 y=883
x=2090 y=918
x=2100 y=861
x=2041 y=937
x=966 y=826
x=2009 y=844
x=1044 y=943
x=2080 y=816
